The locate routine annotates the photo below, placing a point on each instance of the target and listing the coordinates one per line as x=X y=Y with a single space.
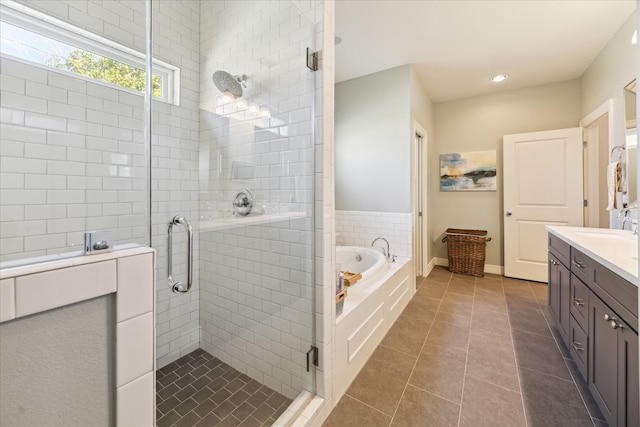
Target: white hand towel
x=623 y=185
x=612 y=186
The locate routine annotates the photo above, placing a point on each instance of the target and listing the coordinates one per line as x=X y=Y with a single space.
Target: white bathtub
x=371 y=307
x=367 y=261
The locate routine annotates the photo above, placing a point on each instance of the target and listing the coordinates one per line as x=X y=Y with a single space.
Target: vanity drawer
x=578 y=345
x=582 y=266
x=560 y=248
x=580 y=301
x=618 y=293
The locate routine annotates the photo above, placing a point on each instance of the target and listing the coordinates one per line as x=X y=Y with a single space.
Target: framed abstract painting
x=471 y=171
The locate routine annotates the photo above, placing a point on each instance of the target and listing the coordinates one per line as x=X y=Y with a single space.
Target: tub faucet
x=386 y=253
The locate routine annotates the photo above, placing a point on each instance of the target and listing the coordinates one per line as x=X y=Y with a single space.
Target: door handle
x=179 y=287
x=509 y=213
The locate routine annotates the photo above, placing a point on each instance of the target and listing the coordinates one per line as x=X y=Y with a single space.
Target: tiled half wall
x=359 y=228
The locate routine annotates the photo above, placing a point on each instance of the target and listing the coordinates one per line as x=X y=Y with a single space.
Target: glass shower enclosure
x=226 y=150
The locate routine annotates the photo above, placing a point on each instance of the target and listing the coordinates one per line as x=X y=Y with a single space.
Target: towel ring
x=618 y=147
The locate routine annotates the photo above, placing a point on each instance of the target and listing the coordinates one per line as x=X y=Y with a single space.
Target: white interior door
x=542 y=186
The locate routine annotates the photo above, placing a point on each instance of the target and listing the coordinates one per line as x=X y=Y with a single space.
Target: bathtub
x=371 y=307
x=367 y=261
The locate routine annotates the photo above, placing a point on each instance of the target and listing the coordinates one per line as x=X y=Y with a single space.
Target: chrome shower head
x=225 y=82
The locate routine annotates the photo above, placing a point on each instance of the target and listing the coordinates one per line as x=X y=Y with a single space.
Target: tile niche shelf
x=241 y=221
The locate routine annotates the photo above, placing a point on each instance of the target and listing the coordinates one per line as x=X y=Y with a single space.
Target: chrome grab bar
x=179 y=287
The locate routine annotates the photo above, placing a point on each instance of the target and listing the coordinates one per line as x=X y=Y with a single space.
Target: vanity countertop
x=615 y=249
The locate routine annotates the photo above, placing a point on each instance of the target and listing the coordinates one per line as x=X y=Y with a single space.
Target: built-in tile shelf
x=130 y=275
x=64 y=259
x=241 y=221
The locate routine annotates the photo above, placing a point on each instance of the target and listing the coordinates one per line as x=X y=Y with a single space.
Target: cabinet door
x=554 y=288
x=603 y=360
x=628 y=412
x=560 y=296
x=564 y=280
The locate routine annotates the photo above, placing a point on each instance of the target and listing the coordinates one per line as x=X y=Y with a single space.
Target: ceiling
x=456 y=45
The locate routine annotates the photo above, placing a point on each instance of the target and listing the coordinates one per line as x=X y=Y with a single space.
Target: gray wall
x=613 y=68
x=372 y=149
x=422 y=113
x=56 y=367
x=477 y=124
x=608 y=74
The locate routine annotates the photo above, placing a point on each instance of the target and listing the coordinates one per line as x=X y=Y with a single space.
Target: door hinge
x=585 y=144
x=585 y=203
x=419 y=213
x=313 y=60
x=313 y=352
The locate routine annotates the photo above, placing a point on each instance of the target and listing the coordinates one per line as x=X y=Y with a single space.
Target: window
x=38 y=38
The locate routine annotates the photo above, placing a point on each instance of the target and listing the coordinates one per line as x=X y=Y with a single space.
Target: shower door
x=234 y=155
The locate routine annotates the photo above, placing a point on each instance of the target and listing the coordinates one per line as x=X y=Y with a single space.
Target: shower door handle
x=179 y=287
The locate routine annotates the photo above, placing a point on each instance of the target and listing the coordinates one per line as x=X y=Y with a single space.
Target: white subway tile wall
x=68 y=147
x=73 y=154
x=356 y=228
x=257 y=281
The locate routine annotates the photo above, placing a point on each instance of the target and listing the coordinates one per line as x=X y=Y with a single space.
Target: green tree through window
x=105 y=69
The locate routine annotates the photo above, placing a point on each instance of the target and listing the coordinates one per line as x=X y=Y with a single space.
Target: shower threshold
x=200 y=390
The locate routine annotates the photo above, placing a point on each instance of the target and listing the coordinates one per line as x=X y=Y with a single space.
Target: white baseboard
x=488 y=268
x=429 y=268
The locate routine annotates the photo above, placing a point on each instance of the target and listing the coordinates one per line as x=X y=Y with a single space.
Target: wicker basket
x=466 y=249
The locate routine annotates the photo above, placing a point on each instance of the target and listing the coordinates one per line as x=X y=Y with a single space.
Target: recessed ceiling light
x=499 y=78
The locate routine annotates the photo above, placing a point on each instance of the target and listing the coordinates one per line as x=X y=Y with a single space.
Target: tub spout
x=386 y=253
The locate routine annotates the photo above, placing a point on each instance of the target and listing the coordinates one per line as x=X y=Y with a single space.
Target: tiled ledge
x=129 y=273
x=55 y=262
x=240 y=221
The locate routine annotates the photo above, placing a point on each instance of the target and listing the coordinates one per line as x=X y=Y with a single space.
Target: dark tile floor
x=469 y=352
x=200 y=390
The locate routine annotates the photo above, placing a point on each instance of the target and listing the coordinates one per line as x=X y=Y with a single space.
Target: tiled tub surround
x=370 y=309
x=127 y=274
x=256 y=278
x=356 y=228
x=73 y=153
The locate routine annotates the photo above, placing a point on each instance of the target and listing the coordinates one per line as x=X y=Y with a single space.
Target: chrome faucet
x=627 y=219
x=631 y=221
x=386 y=253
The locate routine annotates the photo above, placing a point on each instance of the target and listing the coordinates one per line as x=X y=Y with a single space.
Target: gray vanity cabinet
x=559 y=288
x=628 y=381
x=596 y=314
x=613 y=367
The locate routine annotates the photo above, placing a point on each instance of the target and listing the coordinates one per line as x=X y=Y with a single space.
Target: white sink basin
x=605 y=235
